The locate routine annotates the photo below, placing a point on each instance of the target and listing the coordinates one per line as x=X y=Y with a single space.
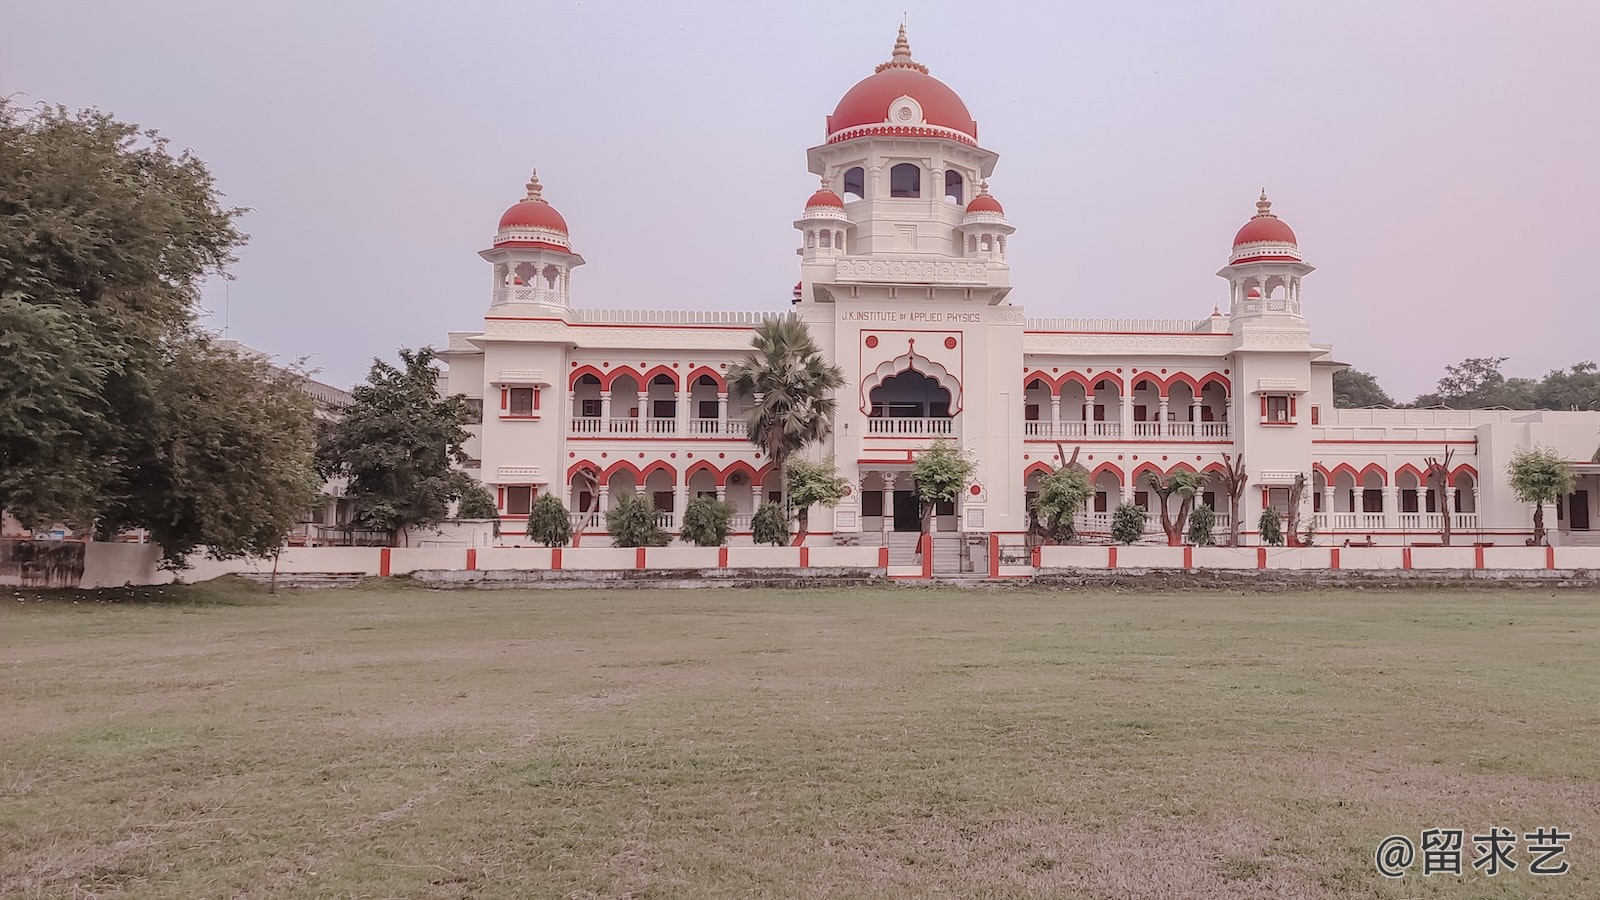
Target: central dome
x=901 y=99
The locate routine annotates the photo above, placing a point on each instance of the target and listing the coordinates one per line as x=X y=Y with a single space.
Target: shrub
x=1201 y=521
x=477 y=503
x=770 y=525
x=1127 y=523
x=1062 y=494
x=1271 y=527
x=632 y=523
x=705 y=522
x=548 y=522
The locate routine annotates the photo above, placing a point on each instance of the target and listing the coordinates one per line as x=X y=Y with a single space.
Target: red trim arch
x=1214 y=378
x=579 y=466
x=1113 y=468
x=718 y=377
x=1383 y=477
x=1140 y=470
x=1422 y=477
x=1319 y=468
x=1054 y=384
x=757 y=476
x=1467 y=468
x=650 y=375
x=698 y=466
x=605 y=377
x=1216 y=468
x=1042 y=467
x=1153 y=378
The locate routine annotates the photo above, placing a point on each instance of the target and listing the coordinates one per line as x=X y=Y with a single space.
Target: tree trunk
x=1538 y=523
x=803 y=520
x=1183 y=519
x=274 y=584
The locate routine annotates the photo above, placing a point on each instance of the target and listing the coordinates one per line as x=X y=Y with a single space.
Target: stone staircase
x=1582 y=538
x=946 y=551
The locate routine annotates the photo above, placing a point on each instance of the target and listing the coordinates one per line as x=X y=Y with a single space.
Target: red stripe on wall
x=994 y=555
x=1333 y=558
x=805 y=557
x=383 y=562
x=555 y=559
x=1261 y=557
x=638 y=558
x=1477 y=557
x=883 y=557
x=722 y=557
x=1549 y=557
x=1111 y=557
x=1405 y=558
x=472 y=559
x=1188 y=557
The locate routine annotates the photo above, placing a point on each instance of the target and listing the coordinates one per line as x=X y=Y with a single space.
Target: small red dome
x=1265 y=228
x=986 y=203
x=869 y=102
x=532 y=213
x=825 y=197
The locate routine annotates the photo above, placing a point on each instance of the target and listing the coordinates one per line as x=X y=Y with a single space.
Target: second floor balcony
x=597 y=426
x=1149 y=431
x=911 y=426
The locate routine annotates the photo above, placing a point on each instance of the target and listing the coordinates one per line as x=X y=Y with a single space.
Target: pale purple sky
x=1439 y=161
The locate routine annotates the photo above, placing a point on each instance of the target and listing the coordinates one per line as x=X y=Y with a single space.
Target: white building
x=904 y=282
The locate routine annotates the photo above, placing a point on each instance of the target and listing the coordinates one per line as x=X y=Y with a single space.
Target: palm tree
x=791 y=384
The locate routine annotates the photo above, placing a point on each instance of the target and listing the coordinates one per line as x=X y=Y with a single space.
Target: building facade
x=905 y=284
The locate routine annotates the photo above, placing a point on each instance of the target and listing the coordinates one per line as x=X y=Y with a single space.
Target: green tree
x=1127 y=523
x=813 y=483
x=1201 y=521
x=223 y=461
x=399 y=444
x=632 y=523
x=477 y=503
x=1354 y=389
x=705 y=522
x=790 y=384
x=1062 y=494
x=769 y=525
x=1185 y=484
x=548 y=521
x=106 y=237
x=1270 y=526
x=1577 y=387
x=1477 y=383
x=1539 y=475
x=940 y=473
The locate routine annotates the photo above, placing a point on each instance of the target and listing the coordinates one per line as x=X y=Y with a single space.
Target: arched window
x=855 y=184
x=954 y=186
x=910 y=394
x=905 y=180
x=827 y=240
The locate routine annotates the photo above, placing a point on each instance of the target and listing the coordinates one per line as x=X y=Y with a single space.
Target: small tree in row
x=632 y=523
x=813 y=483
x=1201 y=521
x=1186 y=485
x=769 y=525
x=1127 y=523
x=706 y=521
x=1539 y=475
x=548 y=522
x=1270 y=527
x=941 y=473
x=1062 y=494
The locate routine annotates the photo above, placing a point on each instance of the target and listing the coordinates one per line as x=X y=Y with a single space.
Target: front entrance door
x=1578 y=510
x=907 y=511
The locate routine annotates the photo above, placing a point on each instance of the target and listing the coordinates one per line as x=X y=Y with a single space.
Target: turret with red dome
x=532 y=252
x=900 y=99
x=1264 y=237
x=1265 y=266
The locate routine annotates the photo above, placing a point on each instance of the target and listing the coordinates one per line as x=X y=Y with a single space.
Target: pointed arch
x=701 y=465
x=751 y=472
x=1038 y=466
x=1383 y=477
x=1219 y=470
x=622 y=465
x=1182 y=378
x=1421 y=476
x=1326 y=475
x=1346 y=468
x=1180 y=466
x=1214 y=378
x=572 y=378
x=1092 y=380
x=663 y=369
x=1153 y=378
x=1468 y=469
x=1113 y=468
x=713 y=374
x=906 y=361
x=1141 y=469
x=1054 y=384
x=581 y=465
x=659 y=465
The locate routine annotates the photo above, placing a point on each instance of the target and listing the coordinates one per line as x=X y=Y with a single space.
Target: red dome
x=825 y=197
x=986 y=203
x=869 y=102
x=1265 y=228
x=533 y=214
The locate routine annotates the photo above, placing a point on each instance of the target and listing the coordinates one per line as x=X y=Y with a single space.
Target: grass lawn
x=394 y=742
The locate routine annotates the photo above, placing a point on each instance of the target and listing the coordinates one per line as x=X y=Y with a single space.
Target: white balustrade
x=588 y=425
x=1146 y=429
x=1180 y=429
x=623 y=426
x=739 y=522
x=661 y=426
x=1214 y=431
x=1106 y=429
x=911 y=427
x=1070 y=429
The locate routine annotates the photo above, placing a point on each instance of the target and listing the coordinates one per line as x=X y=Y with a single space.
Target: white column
x=644 y=412
x=1161 y=417
x=755 y=495
x=722 y=412
x=680 y=501
x=683 y=411
x=1327 y=501
x=1127 y=413
x=722 y=493
x=887 y=521
x=1391 y=506
x=1088 y=414
x=1055 y=415
x=605 y=410
x=1194 y=415
x=605 y=498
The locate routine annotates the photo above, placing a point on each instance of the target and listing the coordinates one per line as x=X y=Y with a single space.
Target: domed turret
x=532 y=220
x=1264 y=237
x=1265 y=267
x=900 y=99
x=532 y=253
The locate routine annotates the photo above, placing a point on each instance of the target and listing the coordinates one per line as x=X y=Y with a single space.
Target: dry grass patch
x=388 y=741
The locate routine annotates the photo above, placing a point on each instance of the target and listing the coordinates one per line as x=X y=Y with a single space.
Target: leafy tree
x=769 y=525
x=813 y=483
x=1575 y=388
x=477 y=503
x=1062 y=494
x=1539 y=475
x=632 y=523
x=399 y=444
x=791 y=384
x=1183 y=483
x=1477 y=383
x=224 y=459
x=1201 y=521
x=1353 y=389
x=1127 y=523
x=1270 y=527
x=548 y=521
x=940 y=472
x=705 y=522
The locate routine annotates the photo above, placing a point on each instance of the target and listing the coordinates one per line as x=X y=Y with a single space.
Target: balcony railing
x=933 y=427
x=1435 y=522
x=594 y=425
x=739 y=522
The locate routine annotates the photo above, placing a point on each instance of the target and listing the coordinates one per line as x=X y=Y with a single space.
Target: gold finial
x=826 y=181
x=1263 y=206
x=983 y=186
x=901 y=59
x=535 y=189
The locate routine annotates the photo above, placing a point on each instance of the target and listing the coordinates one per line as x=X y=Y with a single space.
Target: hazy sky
x=1440 y=161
